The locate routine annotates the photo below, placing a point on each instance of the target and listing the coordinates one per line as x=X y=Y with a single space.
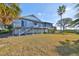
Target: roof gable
x=31 y=17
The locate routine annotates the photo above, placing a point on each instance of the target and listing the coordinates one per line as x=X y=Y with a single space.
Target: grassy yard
x=40 y=44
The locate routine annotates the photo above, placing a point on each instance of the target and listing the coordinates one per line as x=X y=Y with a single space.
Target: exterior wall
x=30 y=25
x=17 y=23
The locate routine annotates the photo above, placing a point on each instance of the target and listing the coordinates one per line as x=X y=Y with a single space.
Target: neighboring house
x=30 y=25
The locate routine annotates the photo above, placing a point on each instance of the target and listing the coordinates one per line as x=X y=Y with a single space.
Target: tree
x=9 y=12
x=66 y=23
x=61 y=10
x=77 y=7
x=76 y=21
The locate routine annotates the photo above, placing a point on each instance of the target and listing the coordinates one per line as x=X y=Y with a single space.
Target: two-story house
x=30 y=25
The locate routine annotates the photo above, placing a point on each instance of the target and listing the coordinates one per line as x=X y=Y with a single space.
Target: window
x=35 y=23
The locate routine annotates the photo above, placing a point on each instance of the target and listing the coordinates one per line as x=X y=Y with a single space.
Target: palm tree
x=76 y=21
x=77 y=7
x=9 y=12
x=61 y=10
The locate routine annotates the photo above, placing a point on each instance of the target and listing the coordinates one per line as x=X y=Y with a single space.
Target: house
x=30 y=25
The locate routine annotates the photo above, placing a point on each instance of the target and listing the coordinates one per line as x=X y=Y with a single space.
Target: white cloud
x=69 y=12
x=68 y=9
x=39 y=14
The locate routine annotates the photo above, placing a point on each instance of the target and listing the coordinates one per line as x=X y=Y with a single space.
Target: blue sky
x=47 y=11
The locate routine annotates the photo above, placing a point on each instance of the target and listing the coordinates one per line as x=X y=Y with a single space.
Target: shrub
x=77 y=31
x=5 y=31
x=53 y=30
x=69 y=31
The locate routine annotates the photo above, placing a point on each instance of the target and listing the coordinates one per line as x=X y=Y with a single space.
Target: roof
x=33 y=18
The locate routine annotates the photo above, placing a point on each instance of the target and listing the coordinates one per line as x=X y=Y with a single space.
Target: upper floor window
x=35 y=23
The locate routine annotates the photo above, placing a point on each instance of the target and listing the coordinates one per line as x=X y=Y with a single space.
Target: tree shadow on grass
x=68 y=48
x=63 y=51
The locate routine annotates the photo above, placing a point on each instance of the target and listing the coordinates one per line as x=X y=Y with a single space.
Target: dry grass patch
x=40 y=44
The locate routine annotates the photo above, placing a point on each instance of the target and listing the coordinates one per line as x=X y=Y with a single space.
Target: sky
x=47 y=11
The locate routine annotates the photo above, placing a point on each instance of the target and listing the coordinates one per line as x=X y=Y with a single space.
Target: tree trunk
x=62 y=24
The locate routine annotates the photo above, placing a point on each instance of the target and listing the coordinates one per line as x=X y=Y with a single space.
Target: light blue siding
x=21 y=26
